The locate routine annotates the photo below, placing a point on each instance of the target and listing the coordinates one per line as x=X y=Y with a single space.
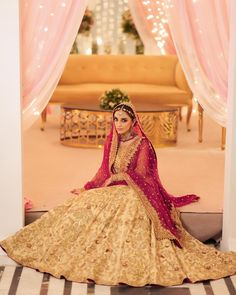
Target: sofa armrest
x=180 y=79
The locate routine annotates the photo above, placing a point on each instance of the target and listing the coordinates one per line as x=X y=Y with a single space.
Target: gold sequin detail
x=113 y=242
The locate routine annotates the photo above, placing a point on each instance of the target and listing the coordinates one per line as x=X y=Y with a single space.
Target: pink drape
x=200 y=30
x=150 y=21
x=48 y=29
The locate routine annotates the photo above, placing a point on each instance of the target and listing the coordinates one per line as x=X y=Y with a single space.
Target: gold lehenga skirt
x=106 y=236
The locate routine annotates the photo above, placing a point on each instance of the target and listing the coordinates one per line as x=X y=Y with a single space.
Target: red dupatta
x=139 y=170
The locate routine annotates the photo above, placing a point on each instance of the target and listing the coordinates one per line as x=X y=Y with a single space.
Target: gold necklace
x=127 y=137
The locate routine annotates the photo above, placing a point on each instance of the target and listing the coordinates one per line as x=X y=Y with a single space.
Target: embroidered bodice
x=122 y=155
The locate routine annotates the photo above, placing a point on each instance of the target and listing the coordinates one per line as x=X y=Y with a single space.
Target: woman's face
x=122 y=121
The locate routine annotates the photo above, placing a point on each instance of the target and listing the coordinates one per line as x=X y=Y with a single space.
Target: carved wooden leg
x=223 y=138
x=44 y=118
x=200 y=122
x=180 y=114
x=190 y=108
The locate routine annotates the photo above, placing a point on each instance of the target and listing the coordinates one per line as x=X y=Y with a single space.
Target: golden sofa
x=149 y=80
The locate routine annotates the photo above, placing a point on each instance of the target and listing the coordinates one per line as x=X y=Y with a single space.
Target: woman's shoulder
x=145 y=140
x=146 y=143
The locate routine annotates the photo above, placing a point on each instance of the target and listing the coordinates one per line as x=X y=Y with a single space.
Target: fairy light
x=99 y=41
x=155 y=14
x=107 y=33
x=146 y=2
x=88 y=51
x=35 y=112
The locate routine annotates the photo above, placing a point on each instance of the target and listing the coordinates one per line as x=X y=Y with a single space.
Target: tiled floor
x=25 y=281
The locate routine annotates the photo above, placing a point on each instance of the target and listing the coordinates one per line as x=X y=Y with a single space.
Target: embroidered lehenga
x=123 y=228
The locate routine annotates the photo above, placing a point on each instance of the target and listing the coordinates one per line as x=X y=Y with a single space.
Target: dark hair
x=125 y=108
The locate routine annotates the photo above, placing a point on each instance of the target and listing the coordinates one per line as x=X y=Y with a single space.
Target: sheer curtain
x=200 y=30
x=151 y=23
x=48 y=29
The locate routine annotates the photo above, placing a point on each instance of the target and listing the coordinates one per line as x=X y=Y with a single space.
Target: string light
x=107 y=33
x=99 y=40
x=88 y=51
x=156 y=16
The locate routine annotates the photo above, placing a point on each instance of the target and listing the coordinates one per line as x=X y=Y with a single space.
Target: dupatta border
x=128 y=155
x=160 y=231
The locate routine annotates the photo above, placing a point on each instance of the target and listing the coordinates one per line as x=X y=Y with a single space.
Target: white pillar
x=11 y=203
x=229 y=217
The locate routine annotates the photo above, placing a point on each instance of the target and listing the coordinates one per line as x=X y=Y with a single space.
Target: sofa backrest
x=120 y=69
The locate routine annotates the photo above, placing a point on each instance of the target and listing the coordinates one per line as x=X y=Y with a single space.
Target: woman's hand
x=77 y=191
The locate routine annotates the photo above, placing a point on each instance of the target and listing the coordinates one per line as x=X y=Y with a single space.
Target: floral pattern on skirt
x=106 y=236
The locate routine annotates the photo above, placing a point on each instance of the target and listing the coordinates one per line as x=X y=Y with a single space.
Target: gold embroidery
x=122 y=160
x=160 y=231
x=117 y=163
x=114 y=149
x=114 y=177
x=125 y=153
x=80 y=244
x=129 y=153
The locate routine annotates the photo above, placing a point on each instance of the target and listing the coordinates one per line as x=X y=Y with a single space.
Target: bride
x=123 y=226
